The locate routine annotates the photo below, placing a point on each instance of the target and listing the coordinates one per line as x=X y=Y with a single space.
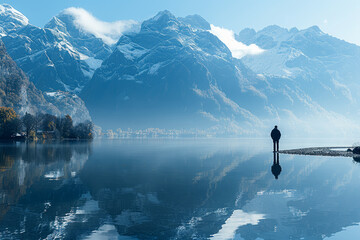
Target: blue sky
x=338 y=18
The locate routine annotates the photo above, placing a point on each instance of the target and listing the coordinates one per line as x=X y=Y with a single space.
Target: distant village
x=156 y=133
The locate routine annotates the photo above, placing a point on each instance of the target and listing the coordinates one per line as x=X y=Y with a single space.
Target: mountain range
x=177 y=73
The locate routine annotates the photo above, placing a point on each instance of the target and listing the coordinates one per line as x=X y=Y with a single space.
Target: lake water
x=175 y=189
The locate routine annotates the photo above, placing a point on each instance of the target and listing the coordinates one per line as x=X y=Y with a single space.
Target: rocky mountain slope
x=178 y=73
x=174 y=74
x=50 y=62
x=18 y=92
x=69 y=103
x=327 y=68
x=45 y=56
x=11 y=20
x=61 y=56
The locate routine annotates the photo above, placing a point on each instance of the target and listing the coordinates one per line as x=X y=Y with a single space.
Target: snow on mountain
x=171 y=74
x=196 y=21
x=311 y=58
x=17 y=91
x=69 y=104
x=11 y=19
x=177 y=72
x=87 y=34
x=273 y=60
x=92 y=64
x=66 y=52
x=49 y=60
x=109 y=32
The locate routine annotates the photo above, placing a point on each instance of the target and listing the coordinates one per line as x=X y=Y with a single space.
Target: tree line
x=41 y=126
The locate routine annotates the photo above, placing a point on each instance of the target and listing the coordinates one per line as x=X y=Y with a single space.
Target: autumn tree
x=9 y=122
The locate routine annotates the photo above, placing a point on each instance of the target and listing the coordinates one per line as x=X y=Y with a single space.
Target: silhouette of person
x=276 y=135
x=276 y=168
x=356 y=159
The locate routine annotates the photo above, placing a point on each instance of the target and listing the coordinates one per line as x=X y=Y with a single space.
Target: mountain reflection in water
x=173 y=189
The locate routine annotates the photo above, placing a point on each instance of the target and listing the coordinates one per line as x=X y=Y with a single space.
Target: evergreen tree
x=49 y=122
x=52 y=126
x=29 y=122
x=84 y=130
x=67 y=127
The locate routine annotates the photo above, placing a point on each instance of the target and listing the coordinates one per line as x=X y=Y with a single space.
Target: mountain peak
x=196 y=21
x=11 y=19
x=314 y=29
x=274 y=29
x=246 y=35
x=162 y=20
x=5 y=5
x=294 y=30
x=79 y=23
x=163 y=14
x=272 y=34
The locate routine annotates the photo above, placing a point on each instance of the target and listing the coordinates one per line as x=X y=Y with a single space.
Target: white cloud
x=109 y=32
x=238 y=49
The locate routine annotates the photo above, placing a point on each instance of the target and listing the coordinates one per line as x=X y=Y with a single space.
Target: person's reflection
x=276 y=168
x=356 y=159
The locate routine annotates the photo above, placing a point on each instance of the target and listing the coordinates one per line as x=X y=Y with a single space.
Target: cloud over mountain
x=238 y=49
x=183 y=73
x=109 y=32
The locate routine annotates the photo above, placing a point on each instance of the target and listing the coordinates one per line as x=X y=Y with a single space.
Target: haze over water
x=175 y=189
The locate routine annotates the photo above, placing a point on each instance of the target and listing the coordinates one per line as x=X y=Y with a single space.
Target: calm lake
x=175 y=189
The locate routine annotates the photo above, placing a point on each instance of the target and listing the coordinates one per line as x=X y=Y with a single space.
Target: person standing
x=276 y=135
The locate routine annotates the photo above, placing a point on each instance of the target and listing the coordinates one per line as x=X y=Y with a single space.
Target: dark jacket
x=275 y=134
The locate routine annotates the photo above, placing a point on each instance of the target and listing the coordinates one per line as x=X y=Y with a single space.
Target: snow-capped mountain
x=11 y=20
x=173 y=73
x=325 y=67
x=90 y=38
x=18 y=92
x=64 y=54
x=84 y=42
x=47 y=58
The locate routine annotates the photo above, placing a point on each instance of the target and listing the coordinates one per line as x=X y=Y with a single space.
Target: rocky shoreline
x=323 y=151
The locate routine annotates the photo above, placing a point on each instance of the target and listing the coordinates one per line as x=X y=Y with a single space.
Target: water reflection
x=26 y=170
x=172 y=190
x=276 y=168
x=356 y=159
